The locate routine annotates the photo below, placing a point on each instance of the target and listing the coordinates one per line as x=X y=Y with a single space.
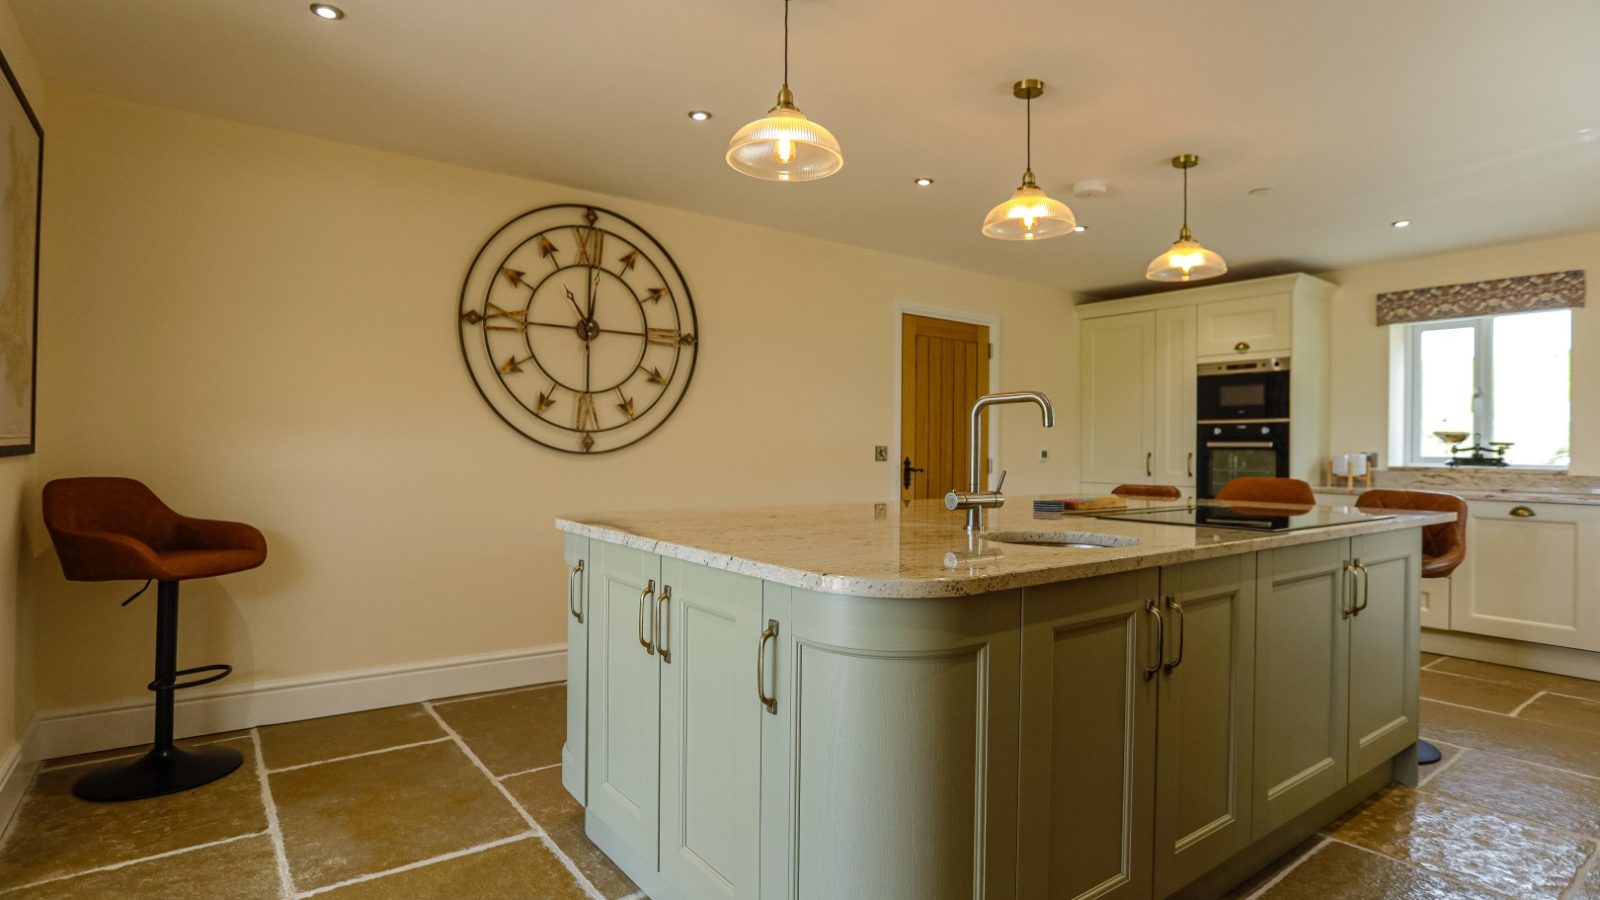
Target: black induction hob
x=1246 y=517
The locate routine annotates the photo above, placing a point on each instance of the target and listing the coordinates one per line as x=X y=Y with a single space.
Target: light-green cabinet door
x=1204 y=725
x=1089 y=663
x=1302 y=679
x=710 y=731
x=574 y=752
x=624 y=697
x=1384 y=633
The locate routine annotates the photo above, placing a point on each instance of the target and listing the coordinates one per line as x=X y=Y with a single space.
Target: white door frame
x=911 y=307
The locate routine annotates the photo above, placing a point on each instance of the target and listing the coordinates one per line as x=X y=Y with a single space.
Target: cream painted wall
x=1359 y=404
x=261 y=326
x=17 y=475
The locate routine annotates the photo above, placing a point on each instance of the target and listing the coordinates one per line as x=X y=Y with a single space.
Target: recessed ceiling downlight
x=699 y=115
x=922 y=182
x=327 y=11
x=1401 y=223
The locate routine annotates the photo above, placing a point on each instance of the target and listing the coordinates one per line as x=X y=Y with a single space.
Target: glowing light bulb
x=1186 y=261
x=783 y=149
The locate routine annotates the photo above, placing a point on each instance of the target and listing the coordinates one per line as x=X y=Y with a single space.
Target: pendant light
x=784 y=145
x=1030 y=214
x=1187 y=260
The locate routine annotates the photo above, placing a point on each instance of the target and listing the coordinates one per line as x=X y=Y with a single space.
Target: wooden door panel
x=944 y=370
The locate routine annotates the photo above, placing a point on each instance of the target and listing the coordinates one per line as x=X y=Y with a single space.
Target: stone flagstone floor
x=462 y=798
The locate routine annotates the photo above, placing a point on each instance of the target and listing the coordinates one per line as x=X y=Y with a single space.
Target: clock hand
x=574 y=301
x=594 y=287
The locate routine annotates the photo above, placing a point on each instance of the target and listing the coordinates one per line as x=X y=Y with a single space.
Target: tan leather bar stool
x=1268 y=490
x=1444 y=547
x=1148 y=491
x=113 y=529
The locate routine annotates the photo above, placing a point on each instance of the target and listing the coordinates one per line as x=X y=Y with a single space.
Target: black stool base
x=1427 y=754
x=158 y=772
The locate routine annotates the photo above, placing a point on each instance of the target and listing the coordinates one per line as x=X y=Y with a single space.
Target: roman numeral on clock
x=669 y=337
x=584 y=418
x=591 y=243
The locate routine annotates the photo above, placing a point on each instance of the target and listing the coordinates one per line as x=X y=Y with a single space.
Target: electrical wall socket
x=880 y=453
x=1044 y=455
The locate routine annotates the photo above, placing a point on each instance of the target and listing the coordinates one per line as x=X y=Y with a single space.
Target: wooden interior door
x=944 y=369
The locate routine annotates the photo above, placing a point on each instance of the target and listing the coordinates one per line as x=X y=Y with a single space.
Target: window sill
x=1436 y=467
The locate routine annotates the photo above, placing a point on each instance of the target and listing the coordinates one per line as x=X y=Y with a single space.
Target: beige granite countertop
x=1513 y=495
x=919 y=549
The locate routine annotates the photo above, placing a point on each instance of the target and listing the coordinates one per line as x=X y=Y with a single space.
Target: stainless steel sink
x=1075 y=540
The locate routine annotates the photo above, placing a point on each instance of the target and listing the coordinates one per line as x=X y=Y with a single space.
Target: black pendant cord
x=137 y=593
x=785 y=43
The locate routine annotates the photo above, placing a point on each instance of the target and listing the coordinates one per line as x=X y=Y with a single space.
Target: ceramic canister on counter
x=1350 y=464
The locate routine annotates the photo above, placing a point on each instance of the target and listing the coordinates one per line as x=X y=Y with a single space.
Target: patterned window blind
x=1525 y=293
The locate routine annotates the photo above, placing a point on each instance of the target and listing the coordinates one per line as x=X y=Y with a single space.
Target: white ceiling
x=1461 y=115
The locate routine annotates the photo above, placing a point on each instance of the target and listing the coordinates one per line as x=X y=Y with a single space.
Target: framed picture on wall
x=21 y=159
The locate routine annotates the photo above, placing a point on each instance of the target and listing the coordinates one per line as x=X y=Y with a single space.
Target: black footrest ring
x=223 y=670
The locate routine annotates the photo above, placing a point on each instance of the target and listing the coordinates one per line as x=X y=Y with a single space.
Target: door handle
x=1188 y=464
x=1241 y=347
x=1148 y=459
x=1347 y=590
x=1177 y=608
x=905 y=473
x=575 y=608
x=649 y=646
x=1153 y=607
x=1365 y=592
x=663 y=624
x=1523 y=512
x=771 y=703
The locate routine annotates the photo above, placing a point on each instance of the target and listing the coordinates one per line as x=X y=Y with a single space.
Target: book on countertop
x=1078 y=504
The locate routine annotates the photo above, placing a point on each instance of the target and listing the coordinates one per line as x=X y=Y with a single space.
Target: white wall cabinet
x=1119 y=391
x=1249 y=327
x=1139 y=358
x=1531 y=574
x=1138 y=398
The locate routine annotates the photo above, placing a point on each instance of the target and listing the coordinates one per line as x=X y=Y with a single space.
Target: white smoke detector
x=1094 y=187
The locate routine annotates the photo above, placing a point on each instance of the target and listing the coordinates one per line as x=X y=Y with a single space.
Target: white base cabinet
x=1113 y=737
x=1531 y=574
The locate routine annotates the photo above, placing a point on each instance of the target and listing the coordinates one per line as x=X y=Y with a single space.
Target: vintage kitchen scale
x=1491 y=454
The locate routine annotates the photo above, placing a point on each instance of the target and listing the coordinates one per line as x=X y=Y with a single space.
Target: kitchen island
x=866 y=701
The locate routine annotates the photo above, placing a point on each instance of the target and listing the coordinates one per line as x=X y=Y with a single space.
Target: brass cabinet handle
x=663 y=623
x=1176 y=607
x=1523 y=512
x=1241 y=347
x=650 y=645
x=1365 y=596
x=770 y=632
x=575 y=598
x=1153 y=607
x=1347 y=603
x=1188 y=464
x=1148 y=459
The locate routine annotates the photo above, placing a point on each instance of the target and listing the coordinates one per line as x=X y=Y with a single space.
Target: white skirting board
x=66 y=732
x=16 y=773
x=1521 y=654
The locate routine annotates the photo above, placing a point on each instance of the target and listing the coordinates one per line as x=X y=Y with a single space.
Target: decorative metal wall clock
x=578 y=328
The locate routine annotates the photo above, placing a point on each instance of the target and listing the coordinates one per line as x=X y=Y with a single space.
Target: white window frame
x=1483 y=386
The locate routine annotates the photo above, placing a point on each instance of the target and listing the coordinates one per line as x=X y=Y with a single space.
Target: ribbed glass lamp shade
x=1186 y=261
x=1029 y=215
x=784 y=145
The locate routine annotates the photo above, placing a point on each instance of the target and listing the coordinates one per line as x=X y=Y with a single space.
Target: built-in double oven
x=1243 y=422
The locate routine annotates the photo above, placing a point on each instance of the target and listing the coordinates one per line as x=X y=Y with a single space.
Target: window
x=1499 y=378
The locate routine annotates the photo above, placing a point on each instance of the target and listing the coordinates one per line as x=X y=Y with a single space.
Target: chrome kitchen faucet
x=974 y=500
